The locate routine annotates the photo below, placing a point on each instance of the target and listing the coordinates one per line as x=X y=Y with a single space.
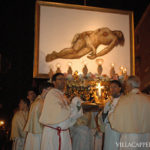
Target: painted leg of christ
x=68 y=53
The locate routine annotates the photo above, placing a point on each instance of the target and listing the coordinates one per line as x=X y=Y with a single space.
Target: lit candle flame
x=112 y=64
x=2 y=123
x=121 y=68
x=69 y=64
x=125 y=70
x=58 y=65
x=84 y=62
x=100 y=63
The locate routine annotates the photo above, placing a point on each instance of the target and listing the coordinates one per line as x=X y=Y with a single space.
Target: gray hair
x=134 y=81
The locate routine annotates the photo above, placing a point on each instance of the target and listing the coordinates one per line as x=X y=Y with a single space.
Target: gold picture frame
x=57 y=23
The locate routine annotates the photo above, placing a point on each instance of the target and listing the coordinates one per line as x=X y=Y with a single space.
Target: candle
x=69 y=64
x=125 y=70
x=112 y=70
x=112 y=65
x=2 y=123
x=58 y=65
x=69 y=68
x=84 y=62
x=58 y=68
x=99 y=61
x=121 y=68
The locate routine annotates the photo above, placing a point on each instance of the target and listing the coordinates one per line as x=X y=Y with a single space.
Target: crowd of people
x=52 y=121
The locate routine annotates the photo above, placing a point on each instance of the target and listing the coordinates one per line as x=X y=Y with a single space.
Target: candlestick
x=85 y=70
x=69 y=68
x=125 y=70
x=99 y=63
x=99 y=69
x=50 y=73
x=112 y=70
x=125 y=73
x=121 y=70
x=58 y=68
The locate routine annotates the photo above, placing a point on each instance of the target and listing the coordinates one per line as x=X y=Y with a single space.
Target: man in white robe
x=81 y=133
x=110 y=135
x=31 y=95
x=84 y=133
x=33 y=127
x=131 y=118
x=18 y=124
x=57 y=116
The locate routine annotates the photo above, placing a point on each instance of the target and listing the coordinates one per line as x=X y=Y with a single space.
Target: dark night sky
x=17 y=40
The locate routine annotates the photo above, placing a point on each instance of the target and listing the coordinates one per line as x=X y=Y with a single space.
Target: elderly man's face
x=115 y=90
x=60 y=82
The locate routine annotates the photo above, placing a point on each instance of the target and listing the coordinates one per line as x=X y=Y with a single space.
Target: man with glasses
x=111 y=136
x=58 y=115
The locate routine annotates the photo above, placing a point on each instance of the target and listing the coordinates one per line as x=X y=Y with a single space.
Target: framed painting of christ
x=73 y=35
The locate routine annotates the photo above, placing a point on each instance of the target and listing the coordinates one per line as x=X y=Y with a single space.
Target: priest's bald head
x=132 y=82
